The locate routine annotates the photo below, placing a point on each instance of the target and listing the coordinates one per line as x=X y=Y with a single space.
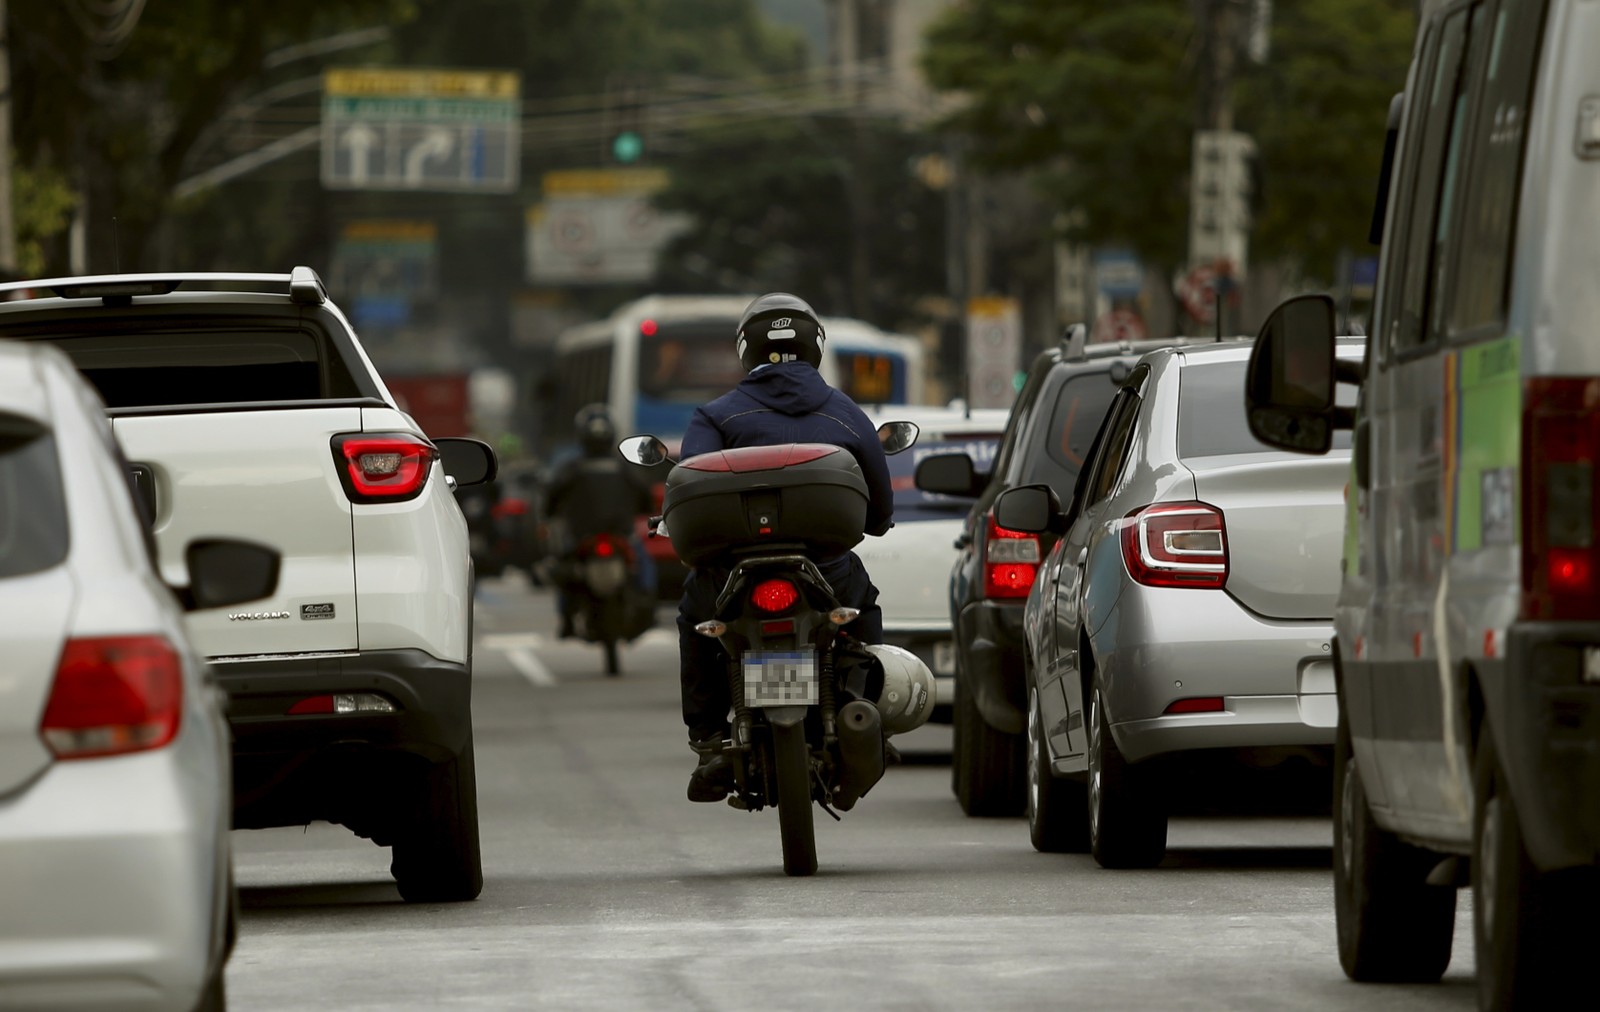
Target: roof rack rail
x=302 y=285
x=1073 y=340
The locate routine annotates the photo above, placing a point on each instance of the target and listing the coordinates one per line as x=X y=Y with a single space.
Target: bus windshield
x=689 y=362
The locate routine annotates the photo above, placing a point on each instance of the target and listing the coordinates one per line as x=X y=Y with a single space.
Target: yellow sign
x=605 y=182
x=390 y=82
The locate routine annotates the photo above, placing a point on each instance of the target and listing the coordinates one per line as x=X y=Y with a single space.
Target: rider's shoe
x=712 y=780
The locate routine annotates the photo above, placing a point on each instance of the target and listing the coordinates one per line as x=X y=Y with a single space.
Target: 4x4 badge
x=316 y=611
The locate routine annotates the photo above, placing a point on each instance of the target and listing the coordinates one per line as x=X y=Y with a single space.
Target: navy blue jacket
x=790 y=403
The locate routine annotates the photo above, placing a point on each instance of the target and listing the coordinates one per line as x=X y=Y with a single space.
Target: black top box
x=811 y=494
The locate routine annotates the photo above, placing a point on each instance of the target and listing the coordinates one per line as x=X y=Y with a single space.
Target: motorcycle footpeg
x=734 y=801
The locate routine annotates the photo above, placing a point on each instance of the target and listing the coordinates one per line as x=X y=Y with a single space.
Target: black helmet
x=597 y=434
x=779 y=328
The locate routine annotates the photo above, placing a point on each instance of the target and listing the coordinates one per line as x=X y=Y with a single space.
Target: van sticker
x=310 y=612
x=1483 y=443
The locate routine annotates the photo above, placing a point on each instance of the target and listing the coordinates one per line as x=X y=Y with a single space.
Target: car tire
x=1058 y=812
x=1392 y=926
x=437 y=860
x=1533 y=933
x=1126 y=815
x=986 y=765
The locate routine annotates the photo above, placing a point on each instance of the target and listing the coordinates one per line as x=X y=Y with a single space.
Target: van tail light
x=113 y=695
x=1176 y=544
x=384 y=467
x=1560 y=436
x=1010 y=561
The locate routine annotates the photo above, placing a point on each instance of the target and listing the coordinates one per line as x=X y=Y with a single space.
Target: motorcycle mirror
x=897 y=436
x=645 y=450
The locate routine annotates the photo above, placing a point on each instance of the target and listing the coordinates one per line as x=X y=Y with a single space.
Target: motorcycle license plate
x=780 y=678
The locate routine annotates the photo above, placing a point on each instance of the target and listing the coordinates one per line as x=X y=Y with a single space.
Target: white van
x=1469 y=619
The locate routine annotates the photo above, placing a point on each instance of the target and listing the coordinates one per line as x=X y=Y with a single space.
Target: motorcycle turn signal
x=843 y=616
x=713 y=628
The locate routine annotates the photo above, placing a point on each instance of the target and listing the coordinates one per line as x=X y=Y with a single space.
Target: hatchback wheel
x=1127 y=821
x=1058 y=816
x=1392 y=925
x=986 y=765
x=437 y=860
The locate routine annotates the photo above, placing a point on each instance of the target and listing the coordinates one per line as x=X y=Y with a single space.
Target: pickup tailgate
x=266 y=476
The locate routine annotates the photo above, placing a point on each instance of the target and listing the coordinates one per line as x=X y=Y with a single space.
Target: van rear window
x=210 y=366
x=33 y=511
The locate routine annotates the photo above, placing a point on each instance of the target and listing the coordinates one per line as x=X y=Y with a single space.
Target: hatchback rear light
x=773 y=596
x=113 y=695
x=1560 y=434
x=1196 y=704
x=1176 y=544
x=386 y=467
x=1010 y=561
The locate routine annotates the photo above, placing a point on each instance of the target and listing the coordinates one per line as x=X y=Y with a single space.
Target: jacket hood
x=793 y=388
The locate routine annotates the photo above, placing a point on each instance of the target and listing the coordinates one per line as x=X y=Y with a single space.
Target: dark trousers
x=703 y=669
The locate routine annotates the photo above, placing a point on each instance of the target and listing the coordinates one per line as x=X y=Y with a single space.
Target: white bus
x=654 y=360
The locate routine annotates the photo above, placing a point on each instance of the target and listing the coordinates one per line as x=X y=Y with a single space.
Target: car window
x=911 y=503
x=1119 y=433
x=1064 y=444
x=1211 y=419
x=1007 y=463
x=33 y=510
x=137 y=367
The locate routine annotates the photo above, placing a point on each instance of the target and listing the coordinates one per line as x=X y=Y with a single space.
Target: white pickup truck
x=247 y=408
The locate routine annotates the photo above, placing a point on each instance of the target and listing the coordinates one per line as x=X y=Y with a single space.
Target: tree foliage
x=1098 y=101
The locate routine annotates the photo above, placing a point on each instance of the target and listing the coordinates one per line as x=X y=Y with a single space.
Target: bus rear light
x=1176 y=544
x=1560 y=434
x=1010 y=561
x=390 y=467
x=113 y=695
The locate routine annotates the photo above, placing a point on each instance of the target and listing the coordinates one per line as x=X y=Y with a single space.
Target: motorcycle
x=603 y=570
x=812 y=707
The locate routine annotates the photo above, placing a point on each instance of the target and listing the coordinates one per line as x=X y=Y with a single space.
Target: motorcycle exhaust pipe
x=861 y=758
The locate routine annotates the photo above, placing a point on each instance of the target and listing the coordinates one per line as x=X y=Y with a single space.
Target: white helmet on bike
x=906 y=701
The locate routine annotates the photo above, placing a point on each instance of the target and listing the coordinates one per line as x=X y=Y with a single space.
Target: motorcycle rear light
x=351 y=702
x=605 y=549
x=759 y=458
x=1196 y=704
x=773 y=596
x=779 y=627
x=389 y=467
x=1560 y=431
x=1176 y=544
x=113 y=695
x=1010 y=561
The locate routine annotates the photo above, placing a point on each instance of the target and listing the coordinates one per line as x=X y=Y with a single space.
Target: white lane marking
x=513 y=641
x=531 y=667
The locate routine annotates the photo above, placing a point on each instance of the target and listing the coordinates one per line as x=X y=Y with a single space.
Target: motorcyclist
x=782 y=400
x=591 y=495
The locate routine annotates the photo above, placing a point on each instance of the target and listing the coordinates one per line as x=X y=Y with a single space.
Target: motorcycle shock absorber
x=825 y=699
x=741 y=712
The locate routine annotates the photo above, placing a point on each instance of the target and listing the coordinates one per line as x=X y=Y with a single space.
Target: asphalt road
x=605 y=889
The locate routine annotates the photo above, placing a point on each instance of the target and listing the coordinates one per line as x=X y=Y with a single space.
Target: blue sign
x=1118 y=274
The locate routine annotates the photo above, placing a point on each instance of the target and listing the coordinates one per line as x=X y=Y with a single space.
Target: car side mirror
x=896 y=437
x=1032 y=509
x=1289 y=387
x=646 y=451
x=947 y=473
x=225 y=572
x=467 y=461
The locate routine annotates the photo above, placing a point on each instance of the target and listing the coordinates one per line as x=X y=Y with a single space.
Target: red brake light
x=604 y=549
x=509 y=508
x=312 y=704
x=759 y=458
x=648 y=328
x=113 y=695
x=1560 y=430
x=1176 y=544
x=773 y=596
x=1010 y=561
x=1196 y=704
x=391 y=467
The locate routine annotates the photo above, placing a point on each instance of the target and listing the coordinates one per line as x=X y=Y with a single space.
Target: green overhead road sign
x=390 y=129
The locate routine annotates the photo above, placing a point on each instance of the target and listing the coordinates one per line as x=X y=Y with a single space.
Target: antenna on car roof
x=116 y=247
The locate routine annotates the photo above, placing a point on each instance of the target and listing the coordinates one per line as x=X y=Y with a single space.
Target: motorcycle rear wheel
x=792 y=758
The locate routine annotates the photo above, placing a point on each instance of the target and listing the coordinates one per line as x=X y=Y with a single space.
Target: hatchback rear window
x=1211 y=420
x=911 y=503
x=33 y=511
x=211 y=366
x=1079 y=409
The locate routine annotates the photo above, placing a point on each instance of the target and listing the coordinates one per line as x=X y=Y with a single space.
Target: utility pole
x=8 y=221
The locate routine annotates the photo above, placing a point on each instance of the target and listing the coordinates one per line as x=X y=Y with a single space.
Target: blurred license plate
x=780 y=678
x=944 y=658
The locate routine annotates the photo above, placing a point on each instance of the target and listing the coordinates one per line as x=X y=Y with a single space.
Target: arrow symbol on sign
x=436 y=143
x=360 y=139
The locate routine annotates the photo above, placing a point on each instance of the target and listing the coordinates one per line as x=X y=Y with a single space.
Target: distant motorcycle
x=812 y=707
x=604 y=577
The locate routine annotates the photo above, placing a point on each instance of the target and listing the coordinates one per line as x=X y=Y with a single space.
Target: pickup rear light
x=1176 y=544
x=773 y=596
x=1560 y=437
x=1010 y=561
x=384 y=467
x=113 y=695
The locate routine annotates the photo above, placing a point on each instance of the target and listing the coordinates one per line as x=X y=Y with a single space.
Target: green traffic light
x=627 y=146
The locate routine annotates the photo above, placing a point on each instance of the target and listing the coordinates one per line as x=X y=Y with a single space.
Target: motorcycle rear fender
x=785 y=716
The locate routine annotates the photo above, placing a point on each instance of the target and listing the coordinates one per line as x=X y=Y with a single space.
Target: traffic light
x=627 y=146
x=625 y=121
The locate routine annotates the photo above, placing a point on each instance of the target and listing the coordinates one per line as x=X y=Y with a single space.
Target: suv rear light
x=1010 y=561
x=1176 y=544
x=113 y=695
x=1560 y=433
x=388 y=467
x=773 y=596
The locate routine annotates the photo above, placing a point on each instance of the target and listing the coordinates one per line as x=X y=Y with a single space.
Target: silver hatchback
x=1187 y=605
